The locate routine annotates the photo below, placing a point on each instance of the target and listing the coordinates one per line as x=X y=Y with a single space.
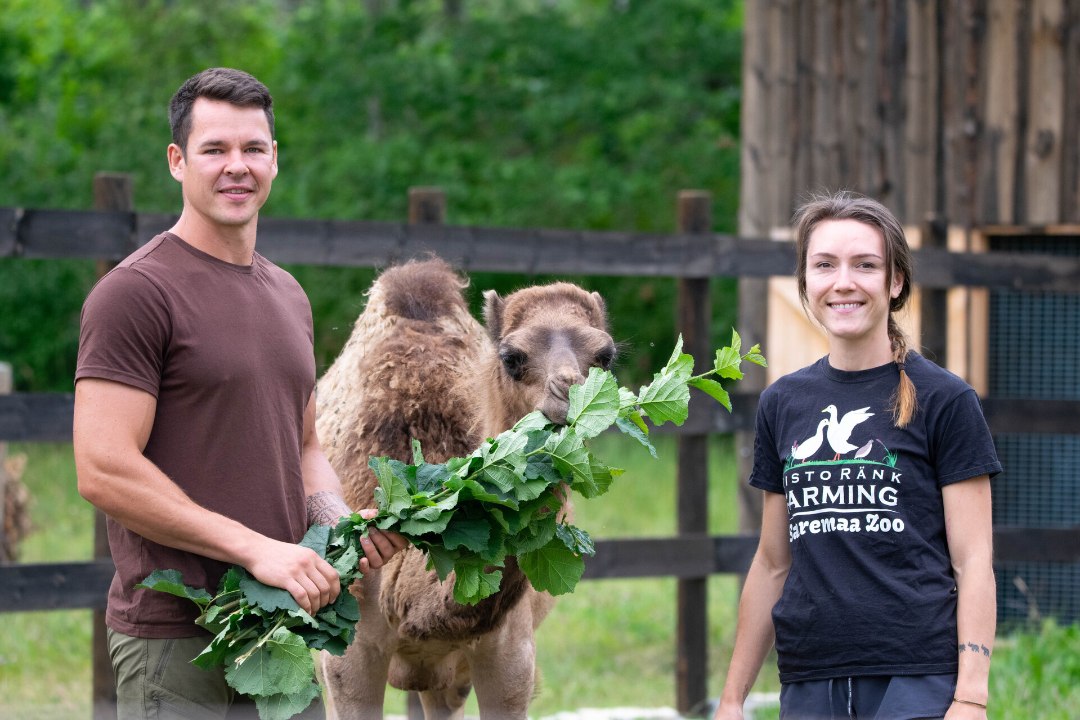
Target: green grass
x=45 y=656
x=610 y=643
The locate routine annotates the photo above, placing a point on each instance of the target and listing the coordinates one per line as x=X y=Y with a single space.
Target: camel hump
x=422 y=290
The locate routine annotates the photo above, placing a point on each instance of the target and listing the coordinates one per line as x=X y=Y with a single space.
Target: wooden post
x=694 y=313
x=112 y=191
x=427 y=206
x=933 y=308
x=6 y=553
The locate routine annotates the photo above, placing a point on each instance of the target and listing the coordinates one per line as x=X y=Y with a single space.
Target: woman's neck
x=861 y=356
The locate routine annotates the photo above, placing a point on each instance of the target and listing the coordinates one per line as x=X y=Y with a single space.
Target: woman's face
x=846 y=285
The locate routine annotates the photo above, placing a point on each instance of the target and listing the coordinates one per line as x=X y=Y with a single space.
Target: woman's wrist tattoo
x=325 y=508
x=974 y=648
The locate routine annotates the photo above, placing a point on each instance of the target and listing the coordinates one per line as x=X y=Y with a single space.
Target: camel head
x=545 y=339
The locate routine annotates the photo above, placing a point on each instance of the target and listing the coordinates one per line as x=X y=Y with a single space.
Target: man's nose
x=236 y=164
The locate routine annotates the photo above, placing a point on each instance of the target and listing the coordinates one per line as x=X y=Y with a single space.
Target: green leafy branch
x=468 y=514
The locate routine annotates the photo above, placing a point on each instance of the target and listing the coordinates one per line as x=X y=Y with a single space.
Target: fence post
x=933 y=311
x=427 y=206
x=112 y=191
x=6 y=553
x=693 y=320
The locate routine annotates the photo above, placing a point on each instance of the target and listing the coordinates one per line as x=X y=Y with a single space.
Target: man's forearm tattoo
x=974 y=648
x=325 y=508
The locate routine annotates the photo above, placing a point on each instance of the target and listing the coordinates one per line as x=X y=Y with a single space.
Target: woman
x=873 y=574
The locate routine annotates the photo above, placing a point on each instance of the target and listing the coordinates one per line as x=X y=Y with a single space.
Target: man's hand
x=300 y=571
x=379 y=546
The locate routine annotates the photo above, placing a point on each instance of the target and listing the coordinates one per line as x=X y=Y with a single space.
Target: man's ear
x=176 y=162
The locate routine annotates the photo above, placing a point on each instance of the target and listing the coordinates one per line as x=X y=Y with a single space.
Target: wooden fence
x=692 y=254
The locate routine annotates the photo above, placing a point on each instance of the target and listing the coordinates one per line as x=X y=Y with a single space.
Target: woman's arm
x=969 y=529
x=754 y=633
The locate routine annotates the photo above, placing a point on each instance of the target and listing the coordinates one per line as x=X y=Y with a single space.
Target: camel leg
x=448 y=704
x=504 y=667
x=355 y=683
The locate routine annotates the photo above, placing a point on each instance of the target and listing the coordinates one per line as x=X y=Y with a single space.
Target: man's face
x=229 y=164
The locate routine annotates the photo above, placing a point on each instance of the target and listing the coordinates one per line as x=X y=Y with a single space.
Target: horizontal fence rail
x=84 y=585
x=46 y=417
x=112 y=235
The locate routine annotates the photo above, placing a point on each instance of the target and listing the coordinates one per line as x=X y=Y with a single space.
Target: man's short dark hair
x=232 y=86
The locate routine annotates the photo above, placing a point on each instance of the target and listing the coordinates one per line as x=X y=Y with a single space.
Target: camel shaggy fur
x=417 y=365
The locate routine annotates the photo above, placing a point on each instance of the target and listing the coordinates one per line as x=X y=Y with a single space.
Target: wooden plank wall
x=967 y=109
x=956 y=114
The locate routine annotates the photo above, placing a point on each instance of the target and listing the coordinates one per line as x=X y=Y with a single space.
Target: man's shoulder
x=280 y=278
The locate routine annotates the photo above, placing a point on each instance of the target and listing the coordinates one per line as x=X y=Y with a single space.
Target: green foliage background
x=586 y=114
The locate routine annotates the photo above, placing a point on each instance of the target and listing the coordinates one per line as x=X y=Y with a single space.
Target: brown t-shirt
x=227 y=350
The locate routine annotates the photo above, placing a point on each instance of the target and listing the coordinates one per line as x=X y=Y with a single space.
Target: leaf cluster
x=468 y=514
x=262 y=637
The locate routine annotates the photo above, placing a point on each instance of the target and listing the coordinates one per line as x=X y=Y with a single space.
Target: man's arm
x=969 y=529
x=754 y=633
x=325 y=499
x=112 y=424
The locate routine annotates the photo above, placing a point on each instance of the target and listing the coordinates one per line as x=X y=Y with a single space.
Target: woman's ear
x=897 y=285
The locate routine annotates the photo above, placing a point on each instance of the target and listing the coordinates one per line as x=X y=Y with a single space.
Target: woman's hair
x=226 y=84
x=846 y=205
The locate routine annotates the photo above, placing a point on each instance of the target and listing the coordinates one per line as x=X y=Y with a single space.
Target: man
x=194 y=426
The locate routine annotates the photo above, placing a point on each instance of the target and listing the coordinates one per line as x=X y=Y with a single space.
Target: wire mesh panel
x=1035 y=354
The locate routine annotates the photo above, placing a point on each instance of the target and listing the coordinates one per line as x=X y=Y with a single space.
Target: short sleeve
x=964 y=447
x=768 y=470
x=124 y=331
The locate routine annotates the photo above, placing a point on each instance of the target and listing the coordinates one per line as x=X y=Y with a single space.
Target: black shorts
x=897 y=697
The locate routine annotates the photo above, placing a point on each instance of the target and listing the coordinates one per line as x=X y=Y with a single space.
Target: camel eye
x=514 y=361
x=604 y=358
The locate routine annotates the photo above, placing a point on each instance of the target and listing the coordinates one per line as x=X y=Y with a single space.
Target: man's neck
x=231 y=244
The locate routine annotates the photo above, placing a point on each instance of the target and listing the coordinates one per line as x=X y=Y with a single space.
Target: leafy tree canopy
x=548 y=113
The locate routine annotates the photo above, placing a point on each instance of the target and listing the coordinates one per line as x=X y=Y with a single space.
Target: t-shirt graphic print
x=852 y=490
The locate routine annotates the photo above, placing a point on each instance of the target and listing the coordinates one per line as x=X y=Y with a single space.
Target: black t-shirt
x=871 y=589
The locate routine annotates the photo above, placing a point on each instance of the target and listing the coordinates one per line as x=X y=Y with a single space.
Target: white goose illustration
x=805 y=449
x=840 y=430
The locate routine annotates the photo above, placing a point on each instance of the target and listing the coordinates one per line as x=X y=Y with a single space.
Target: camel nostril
x=569 y=377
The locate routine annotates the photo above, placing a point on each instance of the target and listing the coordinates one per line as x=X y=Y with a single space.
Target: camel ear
x=602 y=307
x=493 y=314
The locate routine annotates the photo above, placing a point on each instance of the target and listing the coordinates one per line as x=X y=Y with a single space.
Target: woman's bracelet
x=969 y=702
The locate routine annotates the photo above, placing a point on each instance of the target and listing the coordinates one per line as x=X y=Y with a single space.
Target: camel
x=418 y=365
